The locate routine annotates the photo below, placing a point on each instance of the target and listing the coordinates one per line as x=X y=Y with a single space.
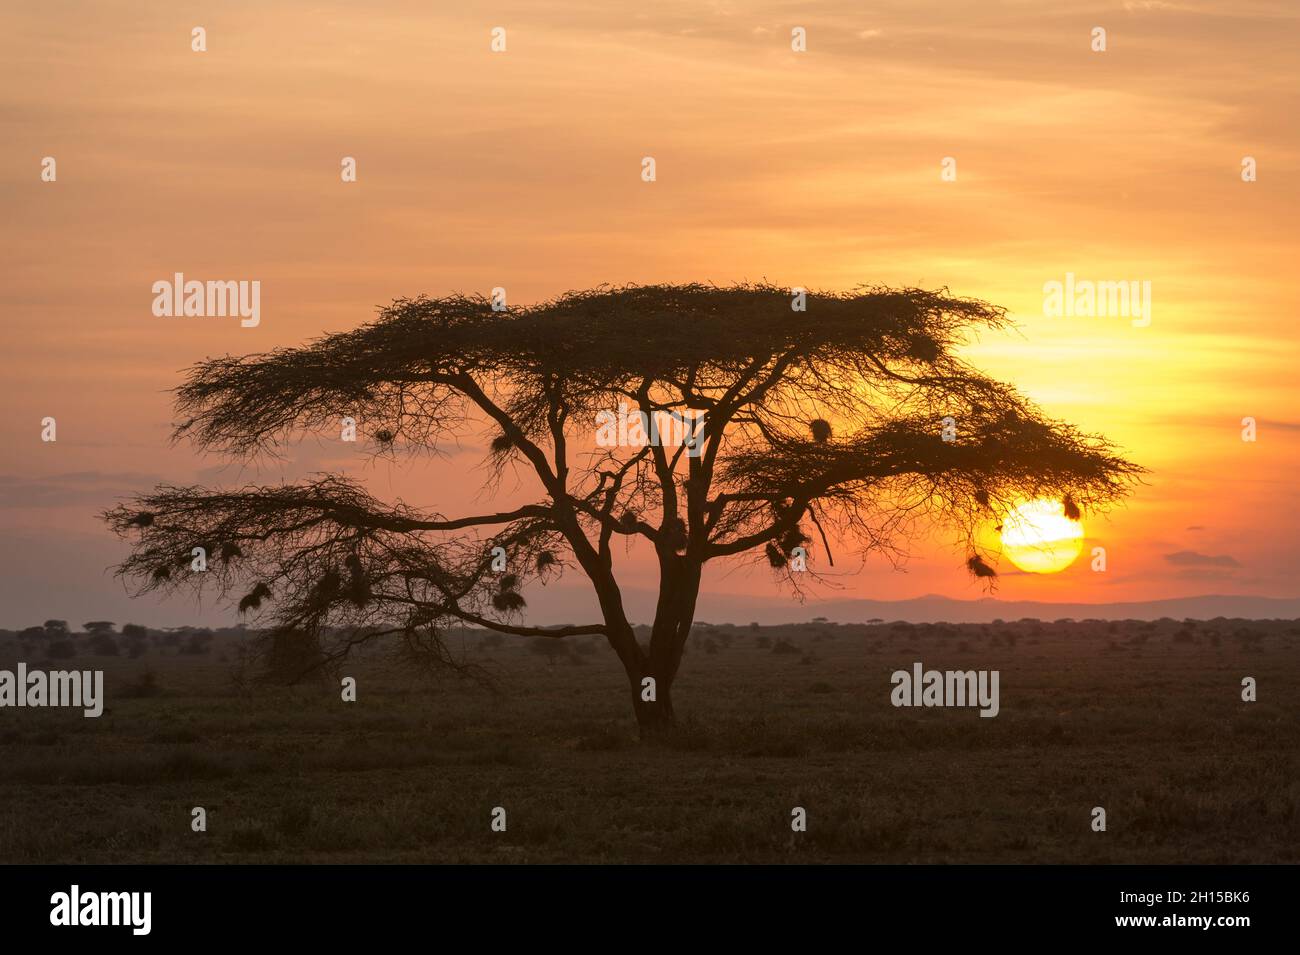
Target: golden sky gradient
x=522 y=169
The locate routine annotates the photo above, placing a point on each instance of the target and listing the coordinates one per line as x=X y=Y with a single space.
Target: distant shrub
x=143 y=688
x=103 y=644
x=548 y=647
x=763 y=642
x=288 y=654
x=60 y=650
x=197 y=644
x=134 y=631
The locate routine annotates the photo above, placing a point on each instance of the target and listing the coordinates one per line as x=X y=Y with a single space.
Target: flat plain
x=1145 y=719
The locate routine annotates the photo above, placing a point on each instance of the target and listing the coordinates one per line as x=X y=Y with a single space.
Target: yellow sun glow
x=1039 y=538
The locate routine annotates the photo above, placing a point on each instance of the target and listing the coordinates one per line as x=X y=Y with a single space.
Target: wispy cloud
x=1190 y=558
x=78 y=487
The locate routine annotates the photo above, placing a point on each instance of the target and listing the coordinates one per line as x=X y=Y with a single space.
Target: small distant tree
x=103 y=643
x=845 y=420
x=144 y=688
x=99 y=626
x=552 y=650
x=54 y=627
x=198 y=644
x=135 y=631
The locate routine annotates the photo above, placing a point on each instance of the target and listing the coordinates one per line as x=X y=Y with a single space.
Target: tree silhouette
x=851 y=418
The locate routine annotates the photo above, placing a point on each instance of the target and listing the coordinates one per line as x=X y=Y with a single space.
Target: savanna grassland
x=1144 y=719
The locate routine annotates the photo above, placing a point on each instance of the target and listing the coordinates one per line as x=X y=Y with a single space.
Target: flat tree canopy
x=843 y=421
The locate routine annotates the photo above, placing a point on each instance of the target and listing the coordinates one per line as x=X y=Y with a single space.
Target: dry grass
x=1143 y=719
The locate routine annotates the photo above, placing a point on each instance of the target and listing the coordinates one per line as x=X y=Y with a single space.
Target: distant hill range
x=936 y=609
x=556 y=605
x=548 y=606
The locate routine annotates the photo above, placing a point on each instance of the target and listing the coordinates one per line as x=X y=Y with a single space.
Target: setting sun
x=1037 y=537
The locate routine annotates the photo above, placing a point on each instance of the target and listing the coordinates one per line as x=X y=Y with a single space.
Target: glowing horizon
x=821 y=169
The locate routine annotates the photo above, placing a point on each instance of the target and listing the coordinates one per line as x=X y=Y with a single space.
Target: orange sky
x=522 y=169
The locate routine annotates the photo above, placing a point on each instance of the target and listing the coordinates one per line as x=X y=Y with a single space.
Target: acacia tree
x=850 y=418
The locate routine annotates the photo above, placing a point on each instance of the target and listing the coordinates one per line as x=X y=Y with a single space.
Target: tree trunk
x=651 y=691
x=678 y=589
x=655 y=718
